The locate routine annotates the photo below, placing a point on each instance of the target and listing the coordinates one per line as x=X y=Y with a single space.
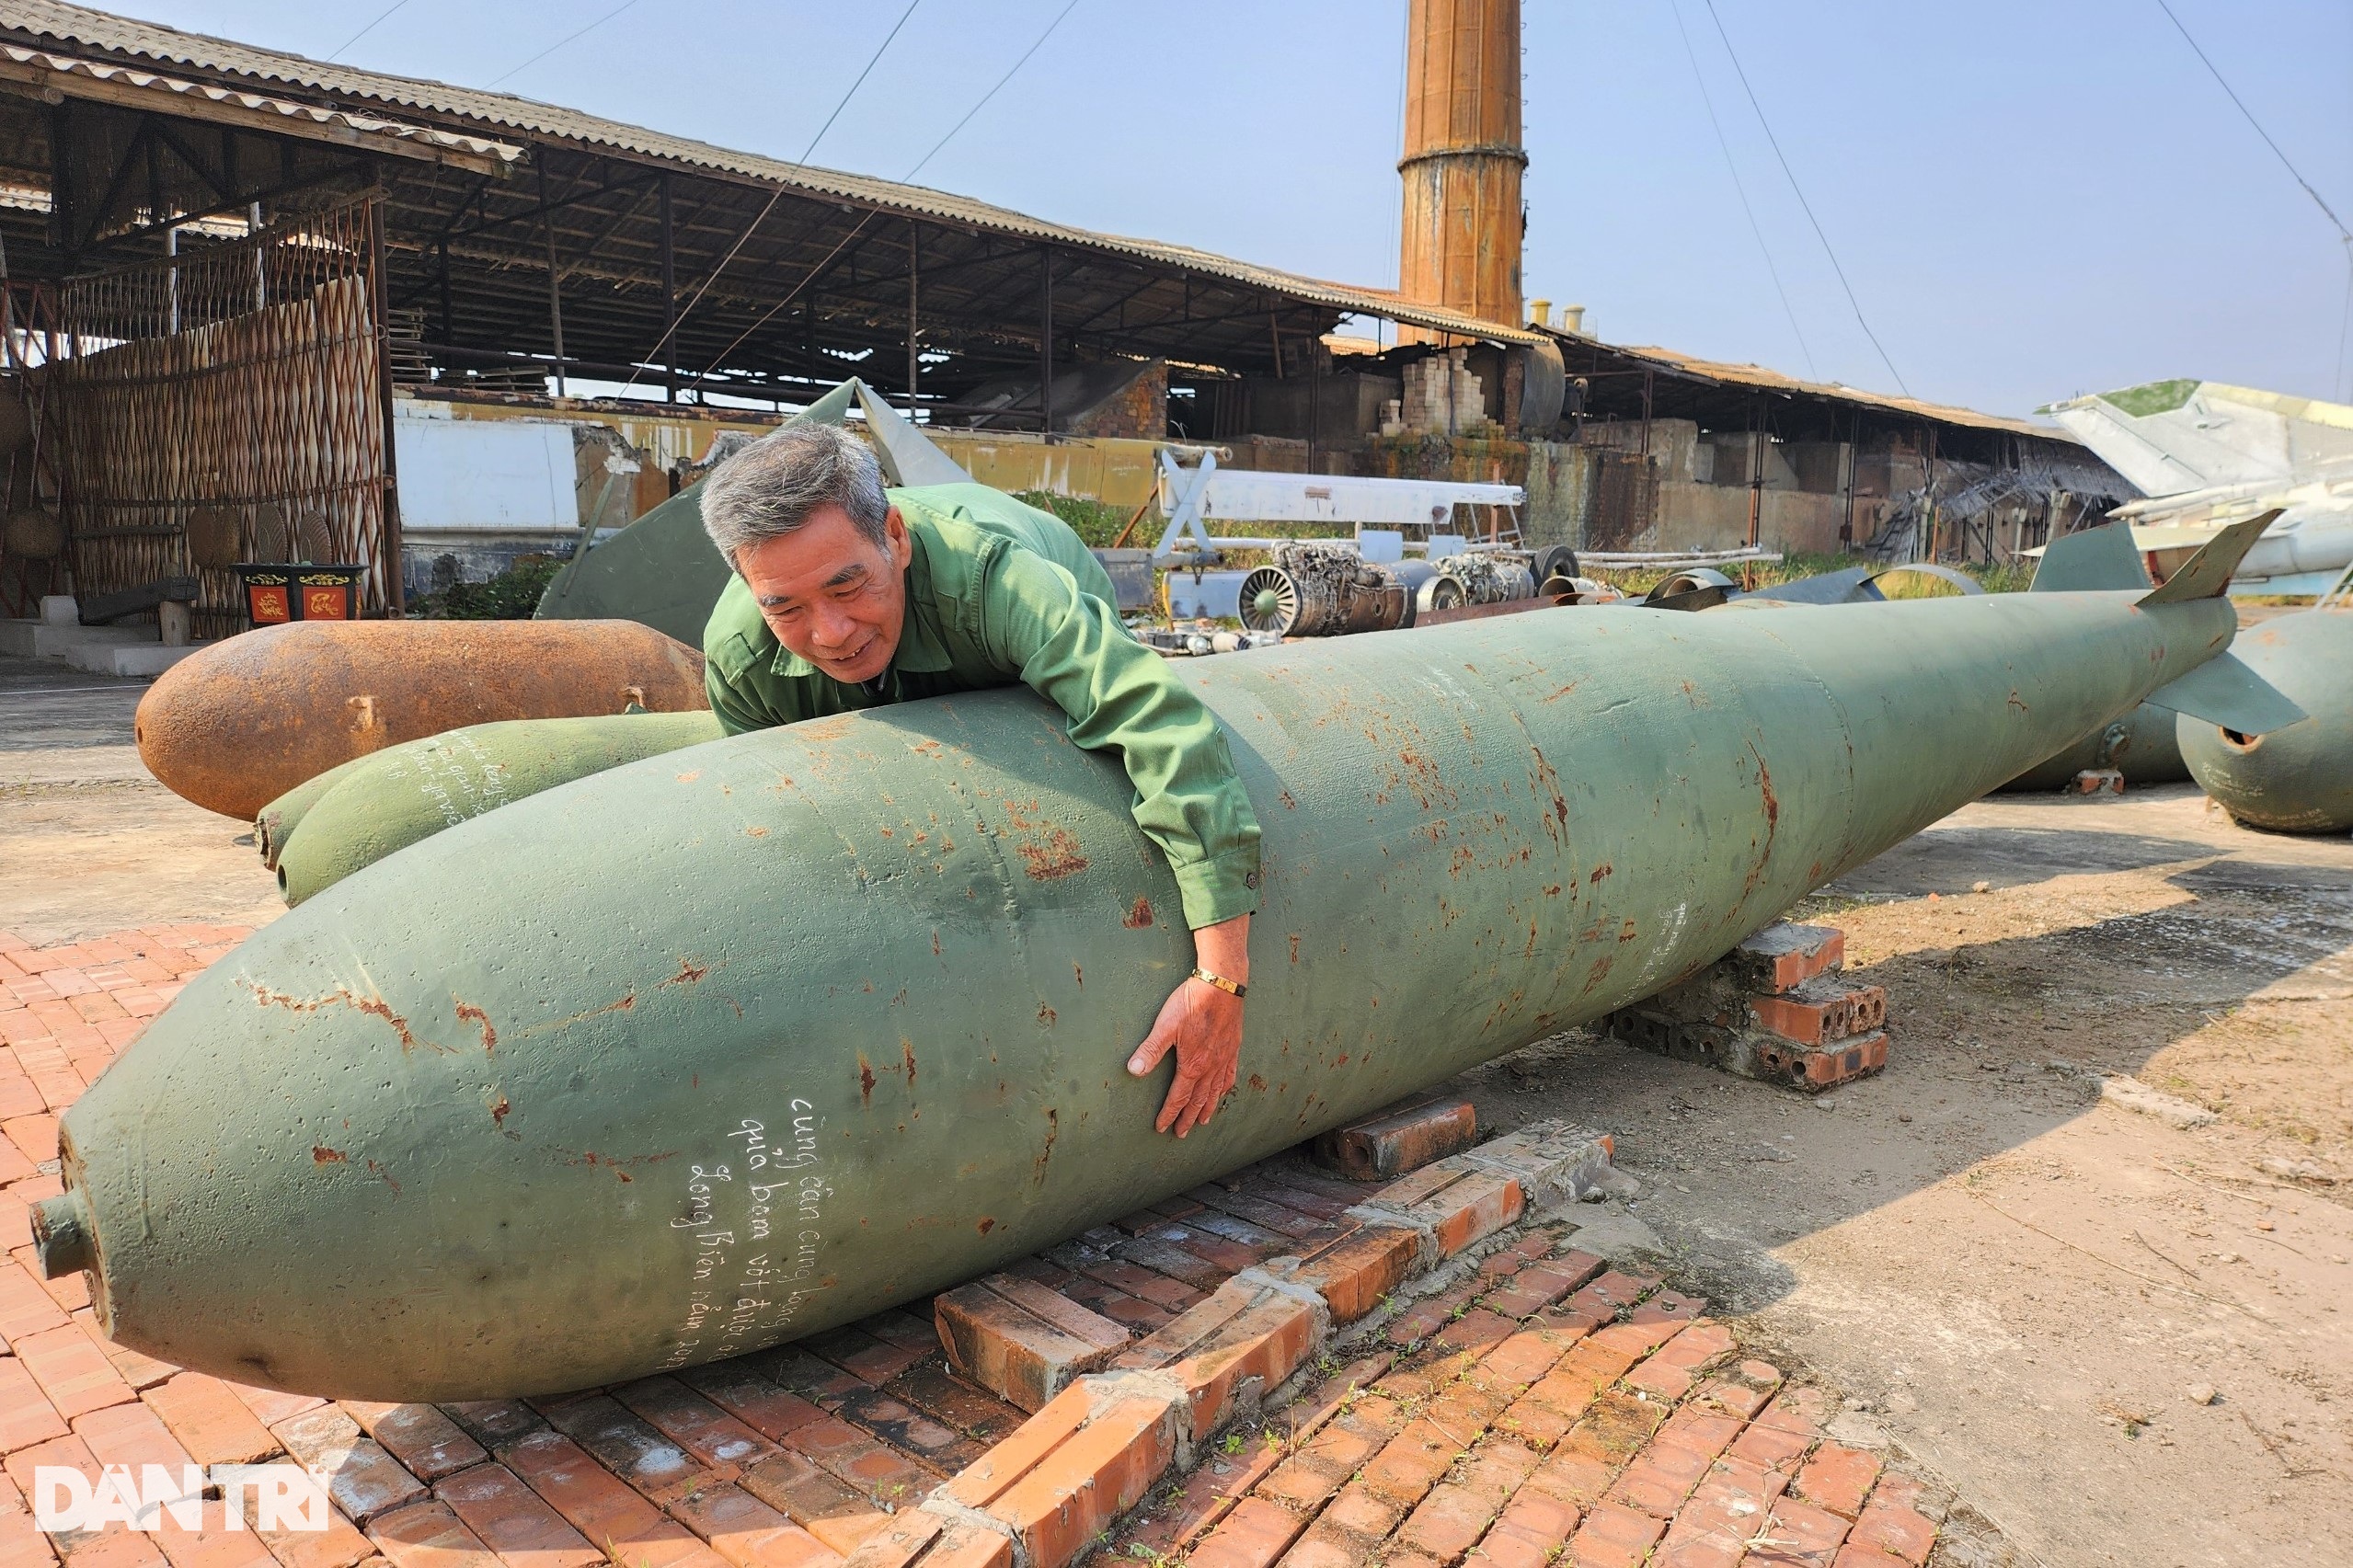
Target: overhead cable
x=2345 y=237
x=572 y=38
x=1725 y=146
x=774 y=195
x=811 y=276
x=1808 y=207
x=383 y=17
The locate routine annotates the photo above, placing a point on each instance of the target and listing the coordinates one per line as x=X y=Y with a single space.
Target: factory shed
x=245 y=289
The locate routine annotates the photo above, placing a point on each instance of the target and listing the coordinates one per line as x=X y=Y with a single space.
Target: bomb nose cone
x=63 y=1237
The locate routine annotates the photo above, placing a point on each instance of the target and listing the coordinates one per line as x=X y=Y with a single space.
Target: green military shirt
x=999 y=593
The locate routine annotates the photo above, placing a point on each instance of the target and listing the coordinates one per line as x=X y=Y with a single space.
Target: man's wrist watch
x=1234 y=988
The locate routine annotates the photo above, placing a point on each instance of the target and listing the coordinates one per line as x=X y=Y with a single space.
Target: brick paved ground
x=1545 y=1410
x=776 y=1460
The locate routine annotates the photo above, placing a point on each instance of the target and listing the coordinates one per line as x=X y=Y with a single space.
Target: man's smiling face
x=831 y=594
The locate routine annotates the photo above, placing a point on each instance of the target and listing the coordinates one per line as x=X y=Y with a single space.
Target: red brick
x=1668 y=1305
x=1356 y=1272
x=969 y=1546
x=269 y=1405
x=428 y=1535
x=601 y=1506
x=25 y=1309
x=1837 y=1478
x=1785 y=955
x=1082 y=1484
x=842 y=1534
x=802 y=1488
x=138 y=1370
x=762 y=1406
x=629 y=1446
x=1894 y=1528
x=26 y=1415
x=749 y=1533
x=1021 y=1341
x=72 y=1371
x=1396 y=1141
x=130 y=1435
x=22 y=1546
x=1803 y=1534
x=209 y=1421
x=1476 y=1207
x=363 y=1480
x=1242 y=1333
x=1821 y=1012
x=514 y=1521
x=428 y=1444
x=35 y=1136
x=694 y=1423
x=1612 y=1537
x=114 y=1546
x=71 y=1292
x=1411 y=1464
x=899 y=1541
x=1447 y=1523
x=1854 y=1556
x=1252 y=1535
x=1769 y=1447
x=1660 y=1478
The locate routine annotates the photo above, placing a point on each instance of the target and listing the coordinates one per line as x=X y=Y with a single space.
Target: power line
x=1807 y=206
x=383 y=17
x=2341 y=232
x=992 y=92
x=561 y=43
x=2345 y=237
x=1734 y=168
x=811 y=276
x=774 y=195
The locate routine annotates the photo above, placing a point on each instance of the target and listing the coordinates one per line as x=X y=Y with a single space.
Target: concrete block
x=60 y=610
x=144 y=660
x=1398 y=1141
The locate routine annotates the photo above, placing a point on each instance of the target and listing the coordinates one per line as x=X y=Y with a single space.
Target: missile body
x=2299 y=779
x=714 y=1050
x=405 y=793
x=239 y=724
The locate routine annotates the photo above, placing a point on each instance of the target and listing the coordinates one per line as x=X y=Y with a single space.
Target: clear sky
x=2029 y=199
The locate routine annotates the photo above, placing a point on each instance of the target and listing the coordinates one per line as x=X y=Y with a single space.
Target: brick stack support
x=1399 y=1141
x=1777 y=1009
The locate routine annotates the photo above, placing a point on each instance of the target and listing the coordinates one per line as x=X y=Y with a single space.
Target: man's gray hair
x=769 y=487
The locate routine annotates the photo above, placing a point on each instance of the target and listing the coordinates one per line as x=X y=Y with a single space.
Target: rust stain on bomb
x=1138 y=917
x=1054 y=858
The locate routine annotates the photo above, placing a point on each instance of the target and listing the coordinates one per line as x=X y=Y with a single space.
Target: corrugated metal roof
x=504 y=113
x=43 y=66
x=80 y=27
x=1774 y=381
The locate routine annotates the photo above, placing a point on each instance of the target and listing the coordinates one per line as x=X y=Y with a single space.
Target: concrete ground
x=2028 y=1292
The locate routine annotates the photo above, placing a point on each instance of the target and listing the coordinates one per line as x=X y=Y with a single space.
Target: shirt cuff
x=1220 y=889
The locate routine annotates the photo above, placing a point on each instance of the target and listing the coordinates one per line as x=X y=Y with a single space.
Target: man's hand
x=1204 y=1025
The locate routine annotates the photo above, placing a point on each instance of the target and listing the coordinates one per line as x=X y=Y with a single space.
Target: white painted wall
x=483 y=476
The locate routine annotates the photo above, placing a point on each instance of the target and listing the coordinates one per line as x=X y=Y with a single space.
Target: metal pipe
x=669 y=297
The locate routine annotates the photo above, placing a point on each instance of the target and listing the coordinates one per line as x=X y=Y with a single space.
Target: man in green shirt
x=847 y=596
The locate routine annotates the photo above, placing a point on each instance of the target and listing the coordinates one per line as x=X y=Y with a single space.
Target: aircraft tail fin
x=2206 y=574
x=2097 y=560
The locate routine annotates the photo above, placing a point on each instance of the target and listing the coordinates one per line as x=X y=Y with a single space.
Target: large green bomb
x=2299 y=779
x=410 y=792
x=674 y=1062
x=2140 y=745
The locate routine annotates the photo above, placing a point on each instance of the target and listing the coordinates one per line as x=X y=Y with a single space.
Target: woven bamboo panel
x=247 y=377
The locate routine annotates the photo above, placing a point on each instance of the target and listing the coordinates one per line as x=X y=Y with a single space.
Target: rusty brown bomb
x=238 y=724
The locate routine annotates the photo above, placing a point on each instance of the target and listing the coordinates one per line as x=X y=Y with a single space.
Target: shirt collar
x=921 y=650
